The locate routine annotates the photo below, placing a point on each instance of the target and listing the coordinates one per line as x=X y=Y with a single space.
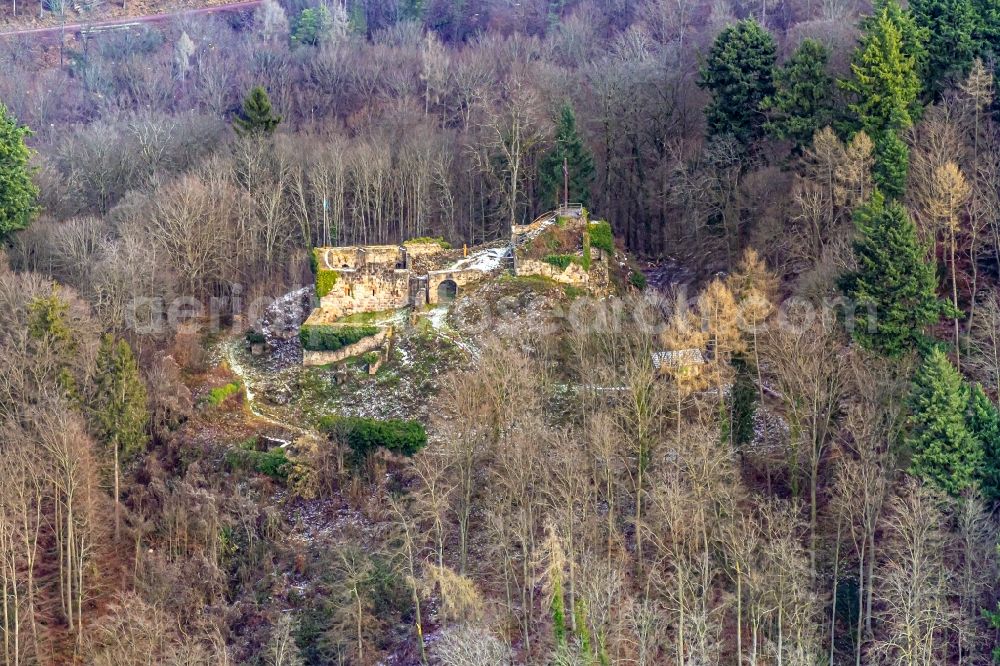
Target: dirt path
x=53 y=32
x=236 y=366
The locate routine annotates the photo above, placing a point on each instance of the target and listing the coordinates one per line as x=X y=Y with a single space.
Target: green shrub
x=585 y=262
x=637 y=279
x=560 y=261
x=255 y=337
x=273 y=463
x=217 y=395
x=325 y=279
x=426 y=240
x=313 y=262
x=601 y=236
x=365 y=435
x=332 y=338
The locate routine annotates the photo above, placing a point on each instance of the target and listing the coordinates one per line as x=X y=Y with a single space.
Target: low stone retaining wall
x=574 y=274
x=362 y=346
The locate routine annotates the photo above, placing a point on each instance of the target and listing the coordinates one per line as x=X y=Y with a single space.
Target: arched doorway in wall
x=447 y=291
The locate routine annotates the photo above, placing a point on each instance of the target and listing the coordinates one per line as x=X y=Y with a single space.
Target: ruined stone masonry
x=377 y=278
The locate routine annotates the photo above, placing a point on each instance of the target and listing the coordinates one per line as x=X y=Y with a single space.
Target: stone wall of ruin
x=363 y=346
x=367 y=291
x=574 y=274
x=335 y=258
x=459 y=277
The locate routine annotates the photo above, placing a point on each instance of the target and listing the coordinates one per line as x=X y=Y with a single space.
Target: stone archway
x=446 y=291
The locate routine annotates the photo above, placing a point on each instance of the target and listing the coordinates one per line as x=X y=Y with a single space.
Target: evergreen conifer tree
x=893 y=288
x=943 y=449
x=739 y=75
x=257 y=117
x=578 y=160
x=951 y=45
x=313 y=26
x=803 y=95
x=914 y=36
x=886 y=85
x=892 y=164
x=17 y=191
x=119 y=406
x=984 y=424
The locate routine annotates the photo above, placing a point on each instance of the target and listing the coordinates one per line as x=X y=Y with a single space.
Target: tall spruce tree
x=570 y=150
x=739 y=76
x=893 y=288
x=257 y=117
x=119 y=408
x=984 y=424
x=892 y=164
x=914 y=36
x=18 y=193
x=886 y=86
x=986 y=32
x=951 y=46
x=942 y=448
x=803 y=95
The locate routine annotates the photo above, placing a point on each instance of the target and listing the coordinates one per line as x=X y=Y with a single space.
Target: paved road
x=53 y=32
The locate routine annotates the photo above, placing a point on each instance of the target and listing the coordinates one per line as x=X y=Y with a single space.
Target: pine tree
x=17 y=191
x=951 y=44
x=257 y=117
x=893 y=289
x=578 y=159
x=119 y=406
x=984 y=424
x=802 y=101
x=738 y=74
x=892 y=164
x=313 y=26
x=885 y=86
x=986 y=33
x=914 y=36
x=943 y=449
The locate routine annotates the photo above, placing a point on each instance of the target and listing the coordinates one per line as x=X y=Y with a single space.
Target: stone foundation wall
x=574 y=274
x=369 y=291
x=363 y=346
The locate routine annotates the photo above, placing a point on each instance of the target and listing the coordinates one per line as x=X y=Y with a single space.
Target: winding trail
x=232 y=358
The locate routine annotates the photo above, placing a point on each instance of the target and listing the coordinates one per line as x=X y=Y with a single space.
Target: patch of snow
x=438 y=317
x=486 y=261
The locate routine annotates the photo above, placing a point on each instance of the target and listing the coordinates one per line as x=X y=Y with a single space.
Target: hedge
x=365 y=435
x=325 y=279
x=273 y=463
x=332 y=338
x=560 y=261
x=601 y=236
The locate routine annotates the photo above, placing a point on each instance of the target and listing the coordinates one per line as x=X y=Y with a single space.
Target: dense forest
x=806 y=194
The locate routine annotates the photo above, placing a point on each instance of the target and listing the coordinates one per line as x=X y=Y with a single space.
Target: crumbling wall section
x=369 y=290
x=363 y=346
x=574 y=274
x=337 y=258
